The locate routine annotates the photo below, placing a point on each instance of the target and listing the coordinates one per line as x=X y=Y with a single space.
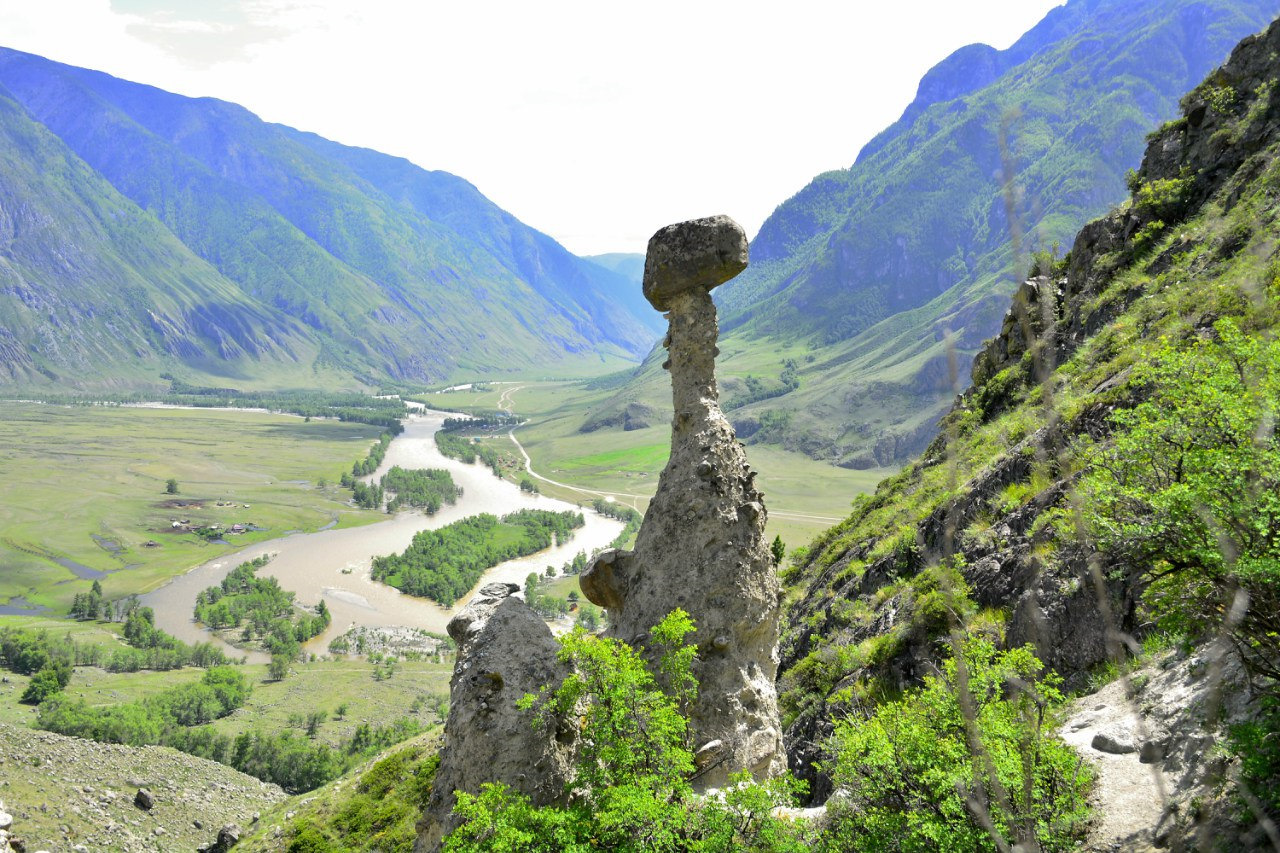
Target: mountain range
x=871 y=289
x=146 y=233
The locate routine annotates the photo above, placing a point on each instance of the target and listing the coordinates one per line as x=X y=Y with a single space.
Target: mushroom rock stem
x=691 y=345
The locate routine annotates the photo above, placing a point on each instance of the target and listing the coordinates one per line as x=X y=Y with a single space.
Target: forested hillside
x=152 y=232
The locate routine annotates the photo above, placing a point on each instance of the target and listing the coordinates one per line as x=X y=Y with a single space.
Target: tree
x=278 y=668
x=171 y=486
x=45 y=683
x=778 y=549
x=314 y=720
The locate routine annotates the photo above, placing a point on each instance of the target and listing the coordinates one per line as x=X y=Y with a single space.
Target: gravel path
x=1128 y=800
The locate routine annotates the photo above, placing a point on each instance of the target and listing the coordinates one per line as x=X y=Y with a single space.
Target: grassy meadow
x=364 y=691
x=88 y=486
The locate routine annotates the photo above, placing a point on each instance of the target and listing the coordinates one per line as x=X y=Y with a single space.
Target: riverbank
x=334 y=564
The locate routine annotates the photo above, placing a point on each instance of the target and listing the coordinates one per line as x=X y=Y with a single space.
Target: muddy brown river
x=335 y=564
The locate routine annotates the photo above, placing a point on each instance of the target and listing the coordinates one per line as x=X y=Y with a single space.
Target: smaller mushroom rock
x=604 y=581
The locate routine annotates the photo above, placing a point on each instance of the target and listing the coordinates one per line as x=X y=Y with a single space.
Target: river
x=335 y=564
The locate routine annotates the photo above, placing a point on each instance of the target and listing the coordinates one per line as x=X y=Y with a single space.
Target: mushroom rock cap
x=700 y=253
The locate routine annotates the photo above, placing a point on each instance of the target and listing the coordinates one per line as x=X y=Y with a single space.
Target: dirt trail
x=1128 y=799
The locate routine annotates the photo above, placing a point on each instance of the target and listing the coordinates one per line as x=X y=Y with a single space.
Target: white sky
x=596 y=122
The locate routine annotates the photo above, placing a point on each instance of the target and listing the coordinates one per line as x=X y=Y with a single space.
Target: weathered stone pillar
x=702 y=546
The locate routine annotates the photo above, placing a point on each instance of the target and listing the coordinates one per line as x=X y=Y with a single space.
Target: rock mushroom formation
x=702 y=546
x=504 y=651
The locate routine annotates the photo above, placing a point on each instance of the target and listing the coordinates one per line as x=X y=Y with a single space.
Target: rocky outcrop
x=228 y=837
x=701 y=546
x=504 y=651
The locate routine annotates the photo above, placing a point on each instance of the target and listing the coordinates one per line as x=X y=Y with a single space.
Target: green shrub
x=971 y=748
x=1257 y=746
x=45 y=683
x=1186 y=496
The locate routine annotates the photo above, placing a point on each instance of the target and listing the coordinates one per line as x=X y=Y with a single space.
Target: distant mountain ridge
x=364 y=266
x=887 y=271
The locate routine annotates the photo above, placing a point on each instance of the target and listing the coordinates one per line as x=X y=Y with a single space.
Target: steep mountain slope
x=1052 y=507
x=394 y=271
x=629 y=264
x=90 y=279
x=860 y=276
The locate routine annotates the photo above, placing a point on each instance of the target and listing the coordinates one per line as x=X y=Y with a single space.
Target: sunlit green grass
x=79 y=472
x=413 y=690
x=644 y=458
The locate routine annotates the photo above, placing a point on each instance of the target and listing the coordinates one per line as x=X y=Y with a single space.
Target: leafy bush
x=971 y=749
x=1257 y=745
x=51 y=679
x=1186 y=497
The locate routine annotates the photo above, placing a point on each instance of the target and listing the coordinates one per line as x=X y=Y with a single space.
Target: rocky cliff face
x=982 y=501
x=701 y=546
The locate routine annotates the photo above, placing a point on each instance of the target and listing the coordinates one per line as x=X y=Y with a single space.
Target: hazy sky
x=596 y=122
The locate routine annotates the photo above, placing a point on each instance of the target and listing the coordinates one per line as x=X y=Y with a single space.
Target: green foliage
x=149 y=648
x=278 y=669
x=546 y=606
x=1163 y=198
x=1256 y=744
x=179 y=718
x=54 y=676
x=589 y=617
x=633 y=732
x=219 y=692
x=631 y=518
x=425 y=488
x=758 y=389
x=445 y=564
x=171 y=486
x=631 y=789
x=380 y=814
x=267 y=611
x=466 y=450
x=778 y=550
x=371 y=462
x=1187 y=493
x=929 y=771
